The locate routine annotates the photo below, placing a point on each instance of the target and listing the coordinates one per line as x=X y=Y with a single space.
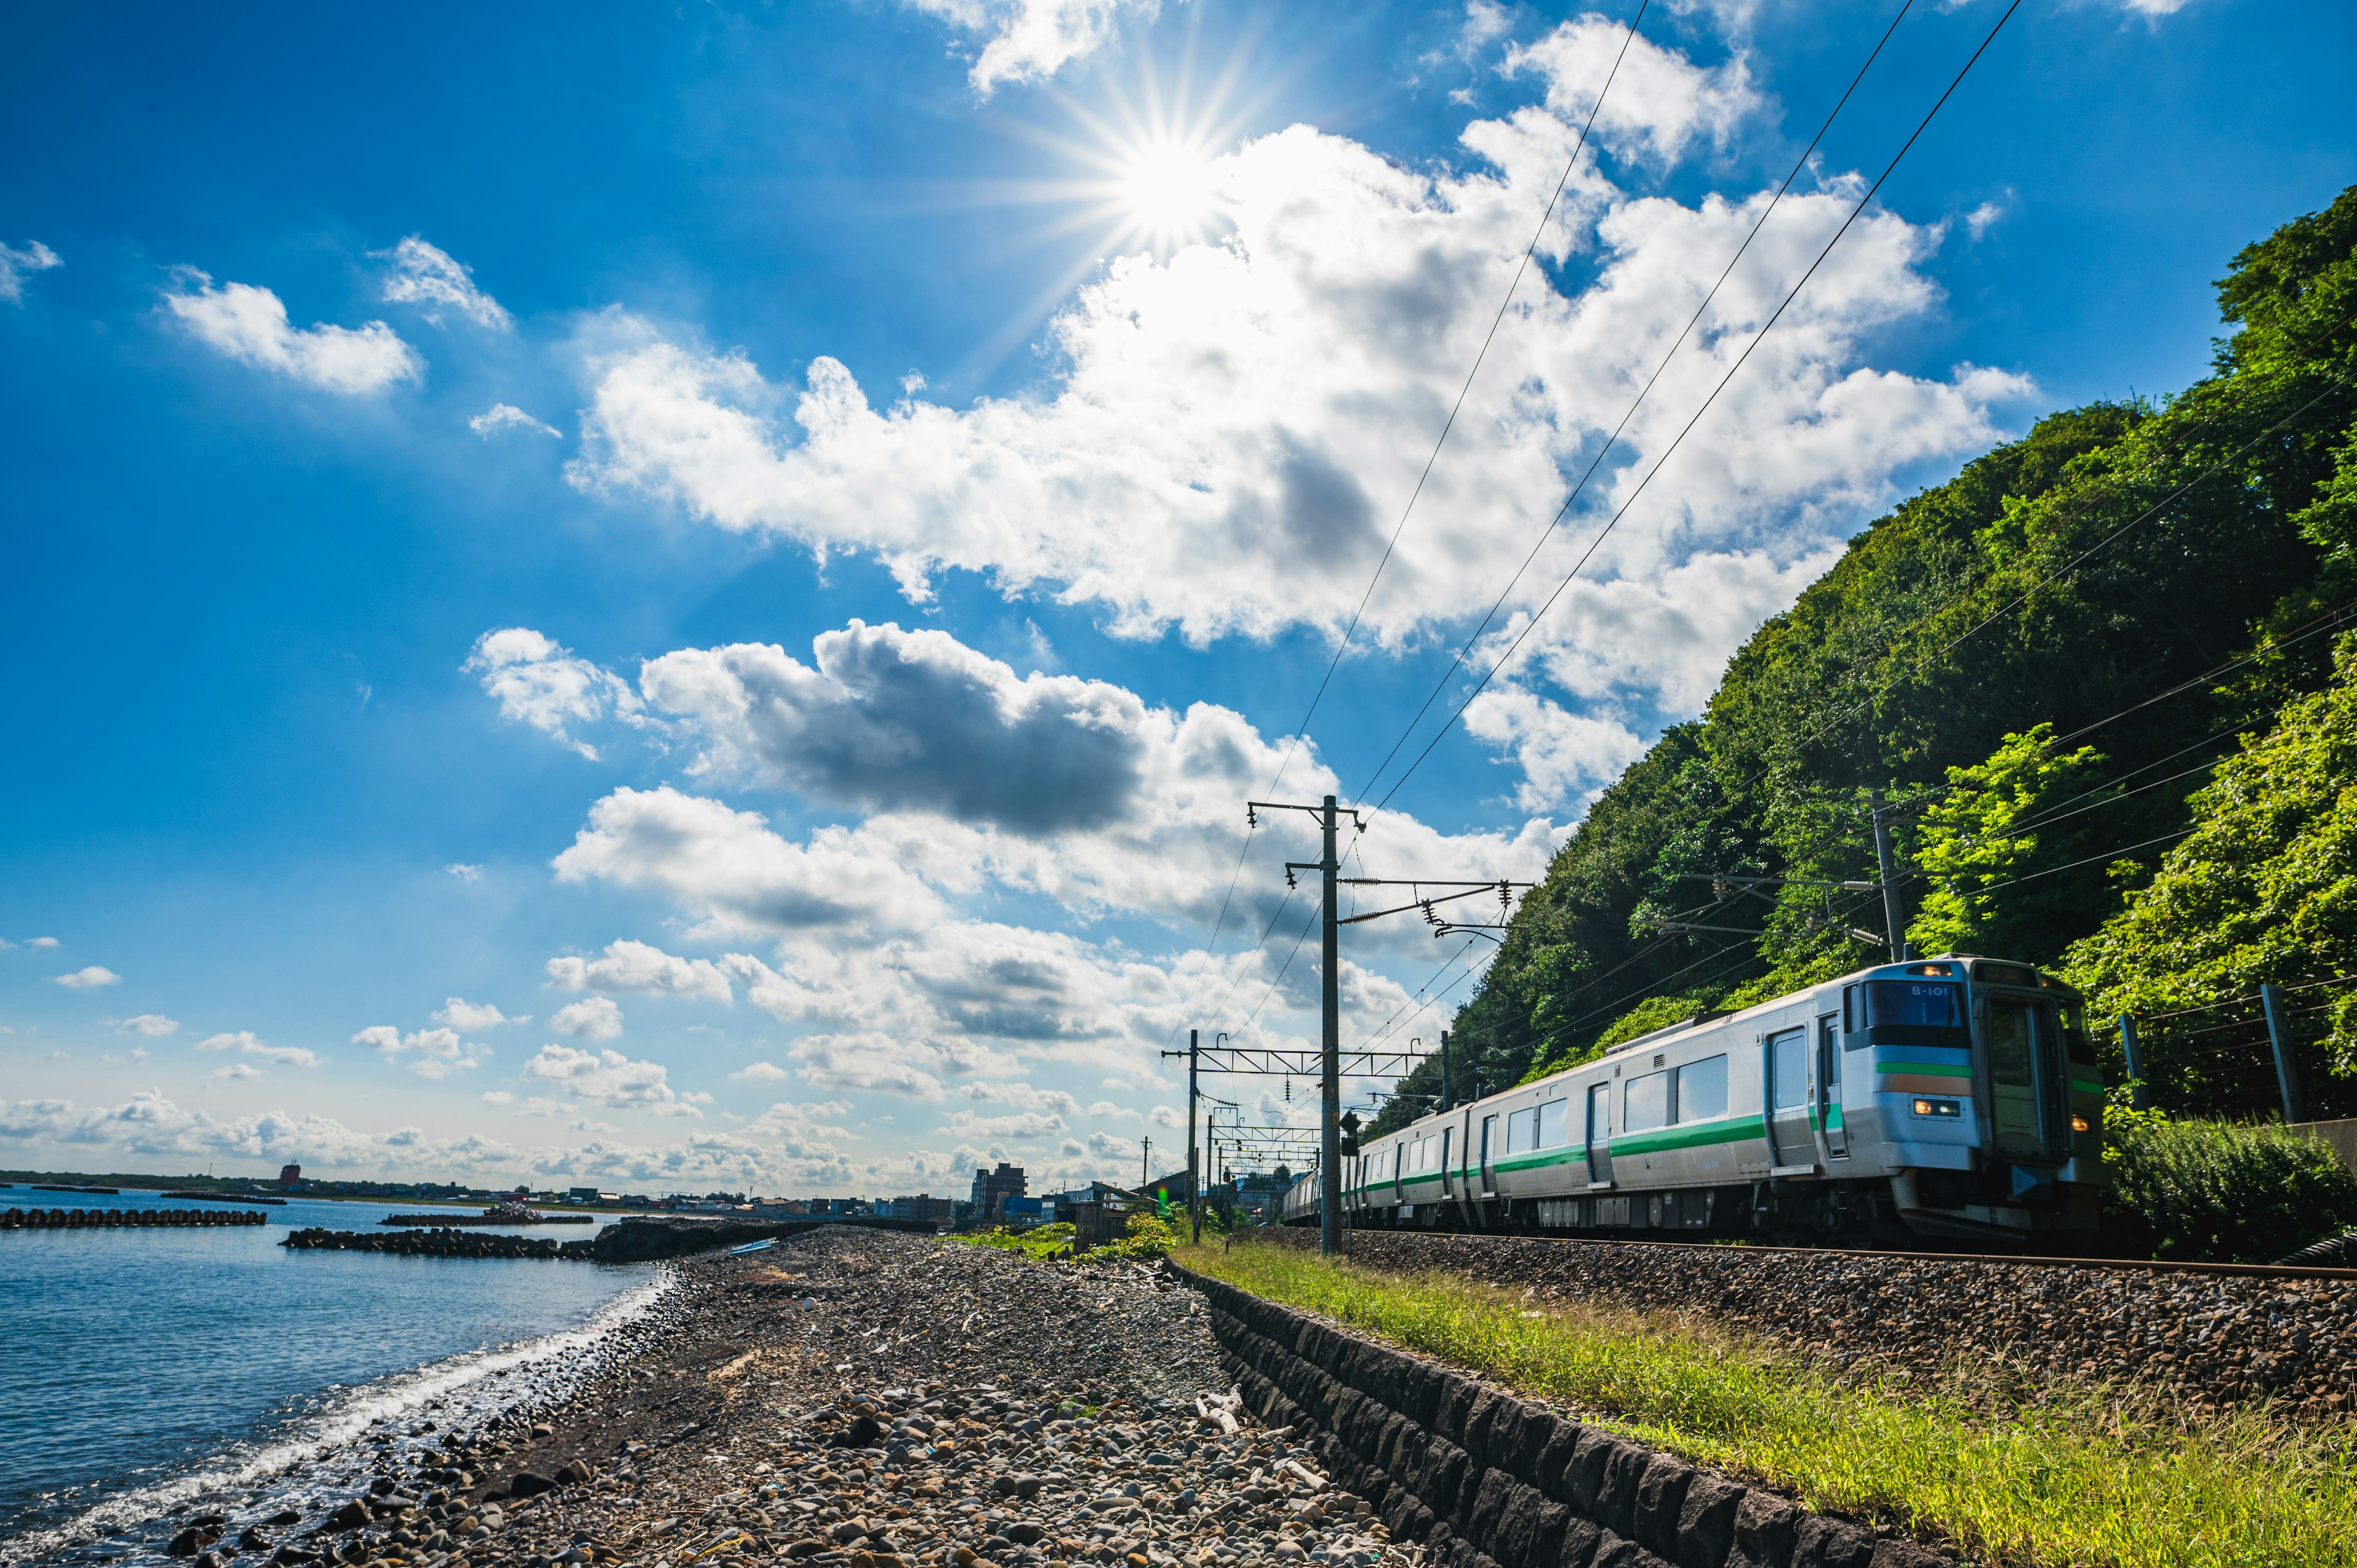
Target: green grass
x=2073 y=1476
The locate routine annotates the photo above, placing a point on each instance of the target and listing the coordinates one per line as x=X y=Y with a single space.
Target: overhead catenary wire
x=1612 y=441
x=1679 y=440
x=1293 y=744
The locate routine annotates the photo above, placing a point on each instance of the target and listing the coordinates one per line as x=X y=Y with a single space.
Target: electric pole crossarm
x=1421 y=903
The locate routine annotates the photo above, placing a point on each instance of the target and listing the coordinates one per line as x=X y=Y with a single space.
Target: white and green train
x=1954 y=1097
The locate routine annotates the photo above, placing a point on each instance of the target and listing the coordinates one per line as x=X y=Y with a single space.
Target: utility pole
x=1194 y=1055
x=1895 y=927
x=1329 y=1108
x=1145 y=1165
x=1446 y=1104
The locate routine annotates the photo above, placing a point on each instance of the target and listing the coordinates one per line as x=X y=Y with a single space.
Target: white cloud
x=424 y=275
x=464 y=871
x=1166 y=1116
x=236 y=1070
x=15 y=265
x=243 y=1042
x=42 y=942
x=432 y=1053
x=1031 y=40
x=761 y=1072
x=1227 y=433
x=1106 y=1109
x=250 y=325
x=1978 y=220
x=612 y=1079
x=155 y=1026
x=633 y=966
x=592 y=1018
x=461 y=1014
x=2152 y=10
x=545 y=686
x=88 y=979
x=498 y=1097
x=508 y=416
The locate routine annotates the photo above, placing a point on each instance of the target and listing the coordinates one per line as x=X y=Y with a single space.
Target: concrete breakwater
x=123 y=1219
x=448 y=1221
x=440 y=1243
x=1487 y=1479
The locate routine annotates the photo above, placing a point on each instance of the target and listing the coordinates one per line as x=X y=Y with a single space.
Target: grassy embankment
x=2073 y=1477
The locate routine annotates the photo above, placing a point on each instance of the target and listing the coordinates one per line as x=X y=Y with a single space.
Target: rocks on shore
x=438 y=1243
x=14 y=1218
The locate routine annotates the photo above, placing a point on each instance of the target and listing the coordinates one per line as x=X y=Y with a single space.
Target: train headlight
x=1938 y=1108
x=2081 y=1125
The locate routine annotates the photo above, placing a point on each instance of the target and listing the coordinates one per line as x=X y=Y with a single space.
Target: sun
x=1170 y=189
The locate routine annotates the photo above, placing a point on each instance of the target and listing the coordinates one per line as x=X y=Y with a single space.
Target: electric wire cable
x=1741 y=359
x=1555 y=521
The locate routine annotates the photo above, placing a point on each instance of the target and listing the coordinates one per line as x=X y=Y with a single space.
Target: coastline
x=347 y=1431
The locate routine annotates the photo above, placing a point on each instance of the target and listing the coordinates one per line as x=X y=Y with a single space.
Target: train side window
x=1701 y=1089
x=1554 y=1123
x=1788 y=1070
x=1645 y=1103
x=1522 y=1132
x=1849 y=1009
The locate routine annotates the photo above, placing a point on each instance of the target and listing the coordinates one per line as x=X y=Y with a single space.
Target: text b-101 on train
x=1951 y=1096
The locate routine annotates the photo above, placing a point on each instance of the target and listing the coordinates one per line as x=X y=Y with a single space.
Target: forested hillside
x=2093 y=677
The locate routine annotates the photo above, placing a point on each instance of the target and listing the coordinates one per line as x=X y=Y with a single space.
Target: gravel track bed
x=862 y=1400
x=2208 y=1340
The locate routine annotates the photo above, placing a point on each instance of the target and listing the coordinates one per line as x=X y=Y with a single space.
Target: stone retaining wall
x=2213 y=1340
x=1489 y=1479
x=14 y=1218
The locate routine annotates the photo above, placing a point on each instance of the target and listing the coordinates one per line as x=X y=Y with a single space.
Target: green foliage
x=1149 y=1236
x=1039 y=1243
x=2263 y=889
x=1998 y=826
x=2030 y=596
x=2217 y=1192
x=2074 y=1477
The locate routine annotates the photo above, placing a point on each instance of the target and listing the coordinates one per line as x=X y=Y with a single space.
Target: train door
x=1600 y=1135
x=1792 y=1140
x=1829 y=1086
x=2012 y=1027
x=1488 y=1156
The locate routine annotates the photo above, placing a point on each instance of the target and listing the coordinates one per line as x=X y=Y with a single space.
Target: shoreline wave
x=343 y=1435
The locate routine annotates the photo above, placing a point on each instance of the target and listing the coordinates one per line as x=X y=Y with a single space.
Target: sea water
x=149 y=1371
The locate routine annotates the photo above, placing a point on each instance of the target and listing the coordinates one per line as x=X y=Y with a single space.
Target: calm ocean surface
x=143 y=1369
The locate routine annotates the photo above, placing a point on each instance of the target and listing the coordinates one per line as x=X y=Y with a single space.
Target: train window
x=1554 y=1123
x=1788 y=1070
x=1849 y=1007
x=2005 y=974
x=1646 y=1103
x=1522 y=1132
x=1701 y=1089
x=1934 y=1003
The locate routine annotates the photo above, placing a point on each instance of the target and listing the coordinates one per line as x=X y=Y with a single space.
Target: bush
x=1040 y=1242
x=1149 y=1236
x=2216 y=1192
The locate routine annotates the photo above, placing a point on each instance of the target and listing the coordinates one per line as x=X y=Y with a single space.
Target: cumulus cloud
x=508 y=416
x=461 y=1014
x=42 y=942
x=155 y=1026
x=16 y=264
x=609 y=1077
x=464 y=871
x=545 y=686
x=429 y=1053
x=428 y=276
x=250 y=325
x=89 y=978
x=1229 y=432
x=592 y=1018
x=244 y=1043
x=1031 y=40
x=634 y=966
x=761 y=1072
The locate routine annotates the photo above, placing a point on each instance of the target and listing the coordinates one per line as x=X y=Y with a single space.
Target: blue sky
x=944 y=443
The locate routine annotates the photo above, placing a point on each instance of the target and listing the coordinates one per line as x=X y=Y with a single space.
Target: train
x=1956 y=1099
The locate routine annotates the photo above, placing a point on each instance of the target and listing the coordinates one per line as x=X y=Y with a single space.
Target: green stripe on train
x=1725 y=1130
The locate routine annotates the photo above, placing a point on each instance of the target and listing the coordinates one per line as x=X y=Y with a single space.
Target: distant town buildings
x=992 y=1189
x=289 y=1177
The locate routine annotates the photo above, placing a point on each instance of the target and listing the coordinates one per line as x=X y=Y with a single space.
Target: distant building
x=289 y=1177
x=581 y=1193
x=991 y=1188
x=924 y=1206
x=1022 y=1213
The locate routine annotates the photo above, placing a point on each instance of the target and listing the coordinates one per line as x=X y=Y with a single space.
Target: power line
x=1294 y=742
x=1555 y=521
x=1687 y=429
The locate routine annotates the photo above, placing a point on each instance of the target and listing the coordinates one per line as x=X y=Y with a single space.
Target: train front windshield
x=1937 y=1005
